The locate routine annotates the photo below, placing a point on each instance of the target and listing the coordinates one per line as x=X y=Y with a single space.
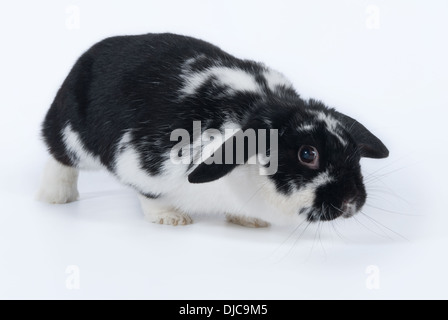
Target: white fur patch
x=129 y=170
x=83 y=159
x=276 y=79
x=321 y=180
x=193 y=82
x=125 y=140
x=128 y=167
x=228 y=127
x=332 y=126
x=307 y=195
x=59 y=184
x=236 y=80
x=189 y=62
x=306 y=128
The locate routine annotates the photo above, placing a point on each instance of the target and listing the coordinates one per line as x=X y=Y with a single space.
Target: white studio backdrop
x=381 y=62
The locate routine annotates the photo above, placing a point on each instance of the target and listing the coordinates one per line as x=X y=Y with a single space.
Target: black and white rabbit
x=126 y=95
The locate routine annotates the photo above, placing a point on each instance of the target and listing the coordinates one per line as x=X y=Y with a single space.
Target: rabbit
x=123 y=99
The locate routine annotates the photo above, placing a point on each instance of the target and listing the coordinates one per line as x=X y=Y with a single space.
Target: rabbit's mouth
x=330 y=212
x=349 y=209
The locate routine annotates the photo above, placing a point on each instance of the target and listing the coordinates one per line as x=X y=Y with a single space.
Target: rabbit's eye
x=309 y=157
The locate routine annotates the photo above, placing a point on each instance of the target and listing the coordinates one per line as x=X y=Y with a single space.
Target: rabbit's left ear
x=369 y=145
x=226 y=158
x=234 y=152
x=208 y=172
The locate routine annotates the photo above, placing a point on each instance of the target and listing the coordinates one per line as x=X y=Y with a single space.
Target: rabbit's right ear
x=369 y=145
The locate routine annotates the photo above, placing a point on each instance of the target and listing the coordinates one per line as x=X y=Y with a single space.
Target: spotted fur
x=124 y=97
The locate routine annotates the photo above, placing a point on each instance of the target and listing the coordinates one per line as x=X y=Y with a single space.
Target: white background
x=388 y=71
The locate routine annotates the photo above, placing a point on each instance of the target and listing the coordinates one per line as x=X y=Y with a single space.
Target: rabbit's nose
x=349 y=209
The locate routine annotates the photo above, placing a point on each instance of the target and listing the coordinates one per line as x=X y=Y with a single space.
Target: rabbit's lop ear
x=370 y=146
x=205 y=173
x=223 y=161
